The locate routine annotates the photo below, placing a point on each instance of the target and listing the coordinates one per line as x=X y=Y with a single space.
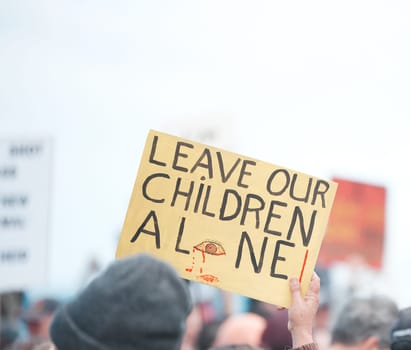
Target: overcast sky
x=322 y=87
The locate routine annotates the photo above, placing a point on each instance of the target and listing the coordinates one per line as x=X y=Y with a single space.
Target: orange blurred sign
x=356 y=225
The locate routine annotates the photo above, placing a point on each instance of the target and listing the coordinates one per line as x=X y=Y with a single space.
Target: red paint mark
x=203 y=254
x=209 y=278
x=201 y=270
x=210 y=247
x=193 y=258
x=303 y=267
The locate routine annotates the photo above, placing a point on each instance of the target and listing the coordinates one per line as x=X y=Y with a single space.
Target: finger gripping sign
x=224 y=219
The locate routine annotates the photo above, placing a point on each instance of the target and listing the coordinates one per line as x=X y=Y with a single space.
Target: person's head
x=39 y=315
x=401 y=331
x=245 y=328
x=365 y=323
x=138 y=302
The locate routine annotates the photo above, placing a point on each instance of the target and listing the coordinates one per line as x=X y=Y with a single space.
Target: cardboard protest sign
x=224 y=219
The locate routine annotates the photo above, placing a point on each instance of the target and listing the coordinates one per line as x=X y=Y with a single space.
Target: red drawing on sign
x=206 y=247
x=303 y=267
x=210 y=247
x=209 y=278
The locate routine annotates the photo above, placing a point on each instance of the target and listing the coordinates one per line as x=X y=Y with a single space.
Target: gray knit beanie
x=137 y=303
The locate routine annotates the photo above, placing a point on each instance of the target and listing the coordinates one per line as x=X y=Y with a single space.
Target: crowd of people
x=141 y=303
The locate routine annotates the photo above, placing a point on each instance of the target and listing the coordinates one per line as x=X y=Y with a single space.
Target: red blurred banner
x=356 y=226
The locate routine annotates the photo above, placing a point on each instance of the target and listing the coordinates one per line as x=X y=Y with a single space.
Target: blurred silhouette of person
x=11 y=304
x=38 y=317
x=245 y=328
x=364 y=323
x=301 y=319
x=401 y=331
x=138 y=302
x=8 y=335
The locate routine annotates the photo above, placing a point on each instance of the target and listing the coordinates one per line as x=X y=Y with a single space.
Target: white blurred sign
x=25 y=174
